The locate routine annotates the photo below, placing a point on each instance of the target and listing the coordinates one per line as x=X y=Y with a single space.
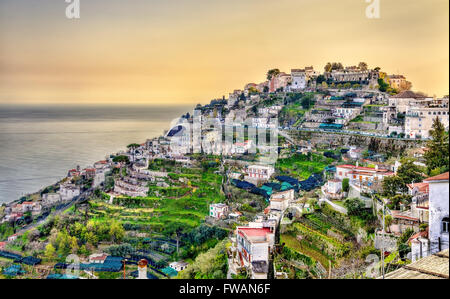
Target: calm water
x=38 y=145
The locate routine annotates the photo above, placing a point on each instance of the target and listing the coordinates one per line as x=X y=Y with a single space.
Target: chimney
x=142 y=269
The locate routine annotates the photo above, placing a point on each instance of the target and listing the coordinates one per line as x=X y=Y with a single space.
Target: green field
x=302 y=166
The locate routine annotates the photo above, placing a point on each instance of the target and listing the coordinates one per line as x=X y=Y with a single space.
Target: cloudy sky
x=190 y=51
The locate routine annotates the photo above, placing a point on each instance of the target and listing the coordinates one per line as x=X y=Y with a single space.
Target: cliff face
x=390 y=147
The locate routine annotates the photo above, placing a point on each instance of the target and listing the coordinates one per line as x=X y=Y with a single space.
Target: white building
x=97 y=258
x=178 y=266
x=347 y=113
x=253 y=248
x=299 y=79
x=69 y=191
x=260 y=172
x=436 y=238
x=218 y=210
x=334 y=186
x=419 y=120
x=280 y=201
x=420 y=201
x=439 y=220
x=358 y=174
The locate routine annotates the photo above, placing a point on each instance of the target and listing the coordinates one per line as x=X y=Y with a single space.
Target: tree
x=121 y=159
x=382 y=85
x=272 y=73
x=133 y=146
x=355 y=206
x=393 y=185
x=320 y=79
x=116 y=231
x=49 y=251
x=363 y=66
x=437 y=155
x=346 y=184
x=387 y=222
x=74 y=245
x=307 y=102
x=410 y=172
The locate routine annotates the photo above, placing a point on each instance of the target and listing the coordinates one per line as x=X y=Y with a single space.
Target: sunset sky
x=191 y=51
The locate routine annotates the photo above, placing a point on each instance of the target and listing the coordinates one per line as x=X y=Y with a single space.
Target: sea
x=39 y=144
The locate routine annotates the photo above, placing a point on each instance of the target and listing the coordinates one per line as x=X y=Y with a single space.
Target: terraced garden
x=184 y=204
x=324 y=241
x=302 y=166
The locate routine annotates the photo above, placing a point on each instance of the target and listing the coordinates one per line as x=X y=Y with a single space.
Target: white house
x=439 y=221
x=299 y=79
x=97 y=258
x=334 y=186
x=218 y=210
x=420 y=201
x=178 y=266
x=12 y=238
x=69 y=191
x=280 y=201
x=358 y=174
x=260 y=172
x=253 y=248
x=435 y=239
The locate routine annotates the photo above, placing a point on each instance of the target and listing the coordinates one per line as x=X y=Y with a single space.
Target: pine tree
x=437 y=155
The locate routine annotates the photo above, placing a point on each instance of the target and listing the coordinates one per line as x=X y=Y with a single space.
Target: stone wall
x=391 y=147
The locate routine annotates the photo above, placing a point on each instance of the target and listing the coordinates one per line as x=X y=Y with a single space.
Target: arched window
x=445 y=225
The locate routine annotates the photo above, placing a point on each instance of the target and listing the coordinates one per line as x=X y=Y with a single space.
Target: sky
x=191 y=51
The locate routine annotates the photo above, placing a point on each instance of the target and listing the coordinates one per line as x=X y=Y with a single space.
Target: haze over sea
x=39 y=144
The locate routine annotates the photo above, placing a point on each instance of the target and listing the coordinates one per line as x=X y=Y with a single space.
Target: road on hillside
x=79 y=199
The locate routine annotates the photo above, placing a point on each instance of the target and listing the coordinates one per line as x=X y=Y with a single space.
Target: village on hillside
x=360 y=176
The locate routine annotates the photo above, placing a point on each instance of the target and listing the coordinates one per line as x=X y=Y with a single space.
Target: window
x=445 y=225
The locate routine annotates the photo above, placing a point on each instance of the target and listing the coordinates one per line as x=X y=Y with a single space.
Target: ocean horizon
x=39 y=144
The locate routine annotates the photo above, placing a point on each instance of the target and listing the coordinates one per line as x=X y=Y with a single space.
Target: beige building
x=399 y=82
x=419 y=120
x=282 y=80
x=404 y=100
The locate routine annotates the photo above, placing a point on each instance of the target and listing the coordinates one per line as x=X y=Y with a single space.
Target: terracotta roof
x=360 y=168
x=401 y=216
x=408 y=94
x=98 y=257
x=441 y=177
x=254 y=232
x=423 y=234
x=423 y=187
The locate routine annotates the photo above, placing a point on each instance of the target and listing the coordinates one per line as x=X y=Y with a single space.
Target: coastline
x=28 y=135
